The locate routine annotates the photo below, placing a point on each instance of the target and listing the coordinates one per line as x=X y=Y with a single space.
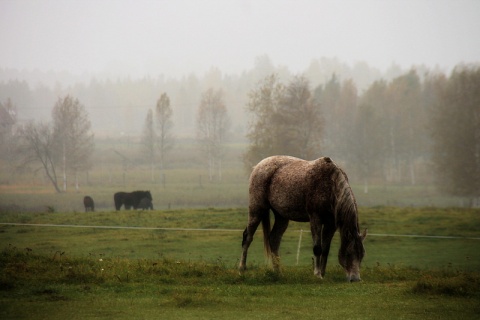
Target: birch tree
x=213 y=124
x=165 y=139
x=74 y=140
x=149 y=142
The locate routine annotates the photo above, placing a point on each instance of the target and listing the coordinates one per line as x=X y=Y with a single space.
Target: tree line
x=401 y=131
x=64 y=146
x=117 y=105
x=415 y=128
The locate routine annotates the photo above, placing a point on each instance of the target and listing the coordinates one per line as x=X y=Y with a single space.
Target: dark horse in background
x=130 y=199
x=88 y=204
x=306 y=191
x=145 y=204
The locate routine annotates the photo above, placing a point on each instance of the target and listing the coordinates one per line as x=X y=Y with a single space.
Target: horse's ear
x=364 y=234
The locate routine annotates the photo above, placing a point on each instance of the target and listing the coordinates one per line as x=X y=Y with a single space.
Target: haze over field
x=370 y=83
x=112 y=38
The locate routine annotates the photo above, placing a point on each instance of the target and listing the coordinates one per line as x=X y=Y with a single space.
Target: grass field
x=105 y=269
x=77 y=273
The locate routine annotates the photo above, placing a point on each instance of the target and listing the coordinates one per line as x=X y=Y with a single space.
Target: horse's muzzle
x=353 y=278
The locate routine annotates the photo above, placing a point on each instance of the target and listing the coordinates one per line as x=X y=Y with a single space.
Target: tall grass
x=57 y=286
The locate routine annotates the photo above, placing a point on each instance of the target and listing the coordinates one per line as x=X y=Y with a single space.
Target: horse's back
x=266 y=168
x=290 y=185
x=288 y=171
x=118 y=195
x=262 y=174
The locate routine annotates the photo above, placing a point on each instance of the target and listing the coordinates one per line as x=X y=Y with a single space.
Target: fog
x=117 y=57
x=376 y=69
x=175 y=38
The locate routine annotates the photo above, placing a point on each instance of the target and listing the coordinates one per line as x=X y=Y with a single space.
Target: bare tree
x=71 y=127
x=213 y=124
x=8 y=123
x=165 y=140
x=157 y=134
x=36 y=148
x=149 y=142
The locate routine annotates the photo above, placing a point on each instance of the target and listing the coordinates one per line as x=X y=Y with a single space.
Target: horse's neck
x=348 y=227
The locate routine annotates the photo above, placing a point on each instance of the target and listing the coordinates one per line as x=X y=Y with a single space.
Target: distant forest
x=120 y=105
x=393 y=127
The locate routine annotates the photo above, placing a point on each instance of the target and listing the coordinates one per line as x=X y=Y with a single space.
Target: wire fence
x=218 y=230
x=300 y=231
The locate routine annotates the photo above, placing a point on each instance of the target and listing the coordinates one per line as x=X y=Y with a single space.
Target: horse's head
x=350 y=256
x=148 y=195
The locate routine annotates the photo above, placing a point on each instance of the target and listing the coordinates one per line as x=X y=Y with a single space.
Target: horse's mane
x=346 y=215
x=345 y=205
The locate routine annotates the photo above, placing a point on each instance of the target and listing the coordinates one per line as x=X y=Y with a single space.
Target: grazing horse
x=306 y=191
x=88 y=203
x=145 y=204
x=130 y=199
x=118 y=199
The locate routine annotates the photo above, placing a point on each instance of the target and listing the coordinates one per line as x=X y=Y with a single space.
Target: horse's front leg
x=322 y=237
x=327 y=234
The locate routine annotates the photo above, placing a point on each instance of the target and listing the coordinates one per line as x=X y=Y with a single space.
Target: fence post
x=299 y=245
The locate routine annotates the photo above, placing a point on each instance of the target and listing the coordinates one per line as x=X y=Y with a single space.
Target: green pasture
x=181 y=273
x=191 y=189
x=40 y=287
x=180 y=260
x=221 y=235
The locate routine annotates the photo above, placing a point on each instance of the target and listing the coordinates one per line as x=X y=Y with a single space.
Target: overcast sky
x=176 y=37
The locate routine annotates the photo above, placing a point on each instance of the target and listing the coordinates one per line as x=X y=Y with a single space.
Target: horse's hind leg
x=276 y=234
x=254 y=220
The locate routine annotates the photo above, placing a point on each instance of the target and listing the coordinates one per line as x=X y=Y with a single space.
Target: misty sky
x=175 y=38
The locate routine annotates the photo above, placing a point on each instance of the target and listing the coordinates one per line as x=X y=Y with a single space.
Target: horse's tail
x=266 y=234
